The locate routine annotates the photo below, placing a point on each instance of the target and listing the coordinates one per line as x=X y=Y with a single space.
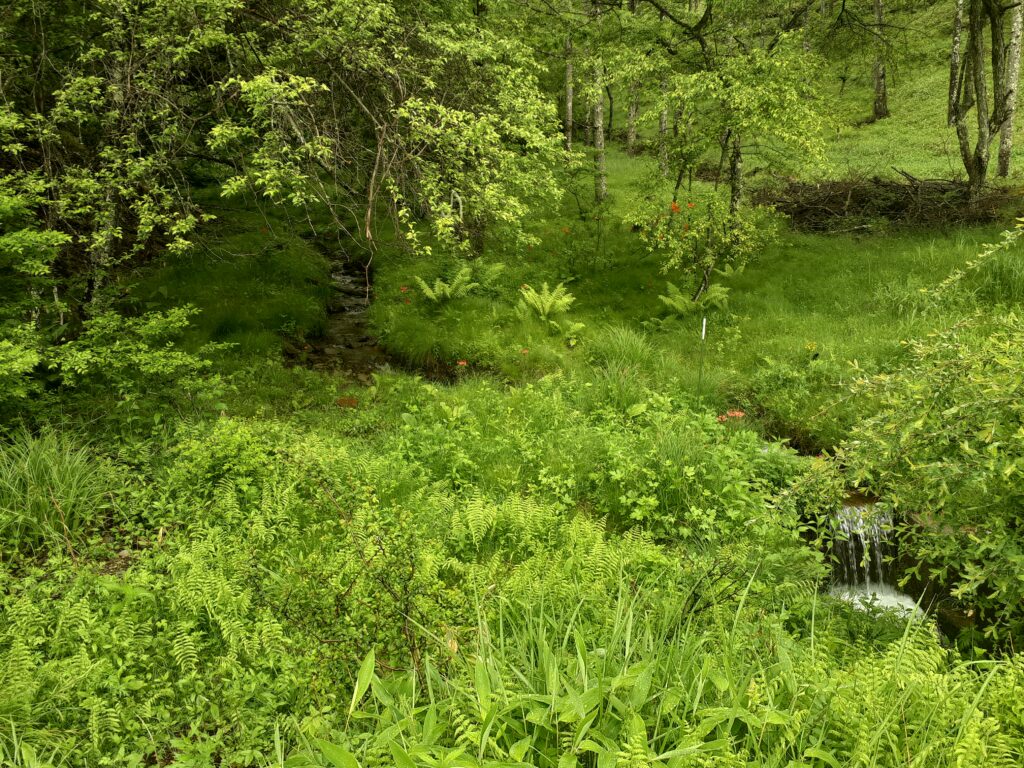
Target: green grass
x=255 y=279
x=813 y=304
x=52 y=490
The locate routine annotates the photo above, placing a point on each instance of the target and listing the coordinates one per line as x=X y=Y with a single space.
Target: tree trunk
x=955 y=84
x=663 y=132
x=881 y=109
x=976 y=52
x=1012 y=81
x=634 y=109
x=611 y=112
x=968 y=87
x=600 y=172
x=569 y=93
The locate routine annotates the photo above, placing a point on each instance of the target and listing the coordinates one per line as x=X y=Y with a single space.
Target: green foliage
x=465 y=541
x=548 y=303
x=586 y=569
x=461 y=285
x=141 y=362
x=944 y=447
x=52 y=491
x=702 y=236
x=761 y=95
x=17 y=361
x=639 y=685
x=679 y=304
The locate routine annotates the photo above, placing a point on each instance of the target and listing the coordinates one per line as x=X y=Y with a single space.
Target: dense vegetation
x=451 y=383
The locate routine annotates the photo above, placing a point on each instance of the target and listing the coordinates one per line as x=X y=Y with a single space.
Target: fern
x=183 y=649
x=547 y=303
x=715 y=297
x=441 y=292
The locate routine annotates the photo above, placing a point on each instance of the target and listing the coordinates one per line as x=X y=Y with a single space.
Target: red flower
x=735 y=414
x=691 y=205
x=524 y=351
x=675 y=207
x=686 y=227
x=408 y=301
x=462 y=363
x=404 y=289
x=721 y=418
x=565 y=230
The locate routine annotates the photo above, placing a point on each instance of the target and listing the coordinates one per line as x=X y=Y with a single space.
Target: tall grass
x=51 y=490
x=639 y=682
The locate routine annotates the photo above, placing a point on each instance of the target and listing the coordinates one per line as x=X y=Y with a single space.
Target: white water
x=863 y=547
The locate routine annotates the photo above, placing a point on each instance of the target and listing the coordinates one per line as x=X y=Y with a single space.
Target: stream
x=865 y=554
x=347 y=345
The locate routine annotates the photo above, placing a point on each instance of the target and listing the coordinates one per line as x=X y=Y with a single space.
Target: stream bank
x=346 y=345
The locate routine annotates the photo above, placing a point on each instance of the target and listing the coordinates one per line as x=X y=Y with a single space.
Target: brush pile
x=866 y=203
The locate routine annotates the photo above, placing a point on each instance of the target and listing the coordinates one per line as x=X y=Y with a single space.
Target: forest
x=511 y=384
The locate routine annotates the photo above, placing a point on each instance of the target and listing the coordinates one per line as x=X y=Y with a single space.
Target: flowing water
x=347 y=345
x=865 y=550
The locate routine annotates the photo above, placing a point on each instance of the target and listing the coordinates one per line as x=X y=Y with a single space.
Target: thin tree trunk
x=611 y=112
x=569 y=93
x=600 y=172
x=881 y=108
x=663 y=131
x=976 y=51
x=968 y=89
x=1012 y=82
x=955 y=83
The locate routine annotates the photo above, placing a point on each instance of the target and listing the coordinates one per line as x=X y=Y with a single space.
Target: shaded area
x=345 y=345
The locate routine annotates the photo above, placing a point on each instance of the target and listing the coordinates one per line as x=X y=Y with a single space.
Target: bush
x=946 y=451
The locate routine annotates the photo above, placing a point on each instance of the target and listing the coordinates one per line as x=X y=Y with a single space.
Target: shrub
x=945 y=449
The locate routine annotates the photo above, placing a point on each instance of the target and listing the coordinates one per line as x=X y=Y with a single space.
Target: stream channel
x=346 y=345
x=865 y=573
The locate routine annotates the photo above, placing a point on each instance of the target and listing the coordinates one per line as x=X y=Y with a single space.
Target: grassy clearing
x=813 y=303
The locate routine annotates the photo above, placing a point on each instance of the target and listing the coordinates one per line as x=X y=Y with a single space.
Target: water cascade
x=864 y=550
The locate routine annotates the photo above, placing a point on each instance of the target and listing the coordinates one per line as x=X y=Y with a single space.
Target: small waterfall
x=864 y=550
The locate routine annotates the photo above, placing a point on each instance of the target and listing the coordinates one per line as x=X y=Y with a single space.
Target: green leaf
x=821 y=754
x=635 y=410
x=363 y=680
x=720 y=680
x=337 y=756
x=402 y=759
x=518 y=750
